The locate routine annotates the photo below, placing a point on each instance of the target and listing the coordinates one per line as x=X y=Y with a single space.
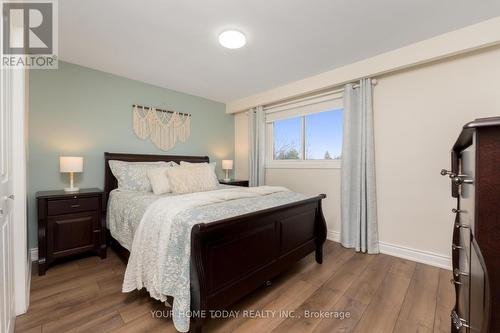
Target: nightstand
x=235 y=182
x=68 y=224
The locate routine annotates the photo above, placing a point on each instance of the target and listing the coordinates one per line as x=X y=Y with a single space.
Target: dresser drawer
x=467 y=191
x=465 y=240
x=74 y=205
x=478 y=312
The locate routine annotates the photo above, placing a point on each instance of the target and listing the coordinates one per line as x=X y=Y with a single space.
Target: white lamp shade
x=227 y=164
x=70 y=164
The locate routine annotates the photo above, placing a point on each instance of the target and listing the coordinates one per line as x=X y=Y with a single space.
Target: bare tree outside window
x=288 y=139
x=322 y=137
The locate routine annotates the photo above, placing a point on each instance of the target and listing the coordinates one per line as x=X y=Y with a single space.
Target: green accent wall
x=79 y=111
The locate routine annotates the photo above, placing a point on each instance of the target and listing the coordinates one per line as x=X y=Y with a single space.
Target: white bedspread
x=160 y=255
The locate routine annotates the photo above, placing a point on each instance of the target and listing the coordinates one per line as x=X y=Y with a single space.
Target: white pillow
x=132 y=176
x=159 y=180
x=192 y=179
x=211 y=166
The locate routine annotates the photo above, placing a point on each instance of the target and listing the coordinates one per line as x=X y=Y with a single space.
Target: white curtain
x=257 y=155
x=359 y=227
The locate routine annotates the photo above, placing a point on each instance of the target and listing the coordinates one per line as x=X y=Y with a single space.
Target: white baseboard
x=34 y=254
x=424 y=257
x=333 y=235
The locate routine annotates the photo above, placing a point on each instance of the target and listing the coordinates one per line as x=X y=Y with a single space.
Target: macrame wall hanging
x=163 y=127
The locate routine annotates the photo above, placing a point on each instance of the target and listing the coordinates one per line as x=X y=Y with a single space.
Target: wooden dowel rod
x=160 y=110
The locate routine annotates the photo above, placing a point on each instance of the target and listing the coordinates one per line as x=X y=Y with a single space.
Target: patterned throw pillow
x=189 y=179
x=211 y=167
x=133 y=176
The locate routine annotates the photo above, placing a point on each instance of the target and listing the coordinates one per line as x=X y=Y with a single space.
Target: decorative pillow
x=132 y=176
x=211 y=166
x=159 y=180
x=192 y=179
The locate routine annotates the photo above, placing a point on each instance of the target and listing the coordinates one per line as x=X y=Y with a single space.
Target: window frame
x=303 y=163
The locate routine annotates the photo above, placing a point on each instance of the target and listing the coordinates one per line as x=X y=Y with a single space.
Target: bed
x=233 y=256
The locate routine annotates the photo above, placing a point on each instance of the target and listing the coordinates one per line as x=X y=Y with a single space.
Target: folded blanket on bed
x=160 y=256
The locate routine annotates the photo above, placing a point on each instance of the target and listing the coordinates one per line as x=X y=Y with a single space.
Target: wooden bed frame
x=232 y=257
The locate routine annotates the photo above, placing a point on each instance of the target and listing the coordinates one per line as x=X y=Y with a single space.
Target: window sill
x=334 y=164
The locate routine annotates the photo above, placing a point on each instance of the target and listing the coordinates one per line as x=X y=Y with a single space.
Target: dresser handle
x=457 y=273
x=453 y=281
x=75 y=206
x=458 y=226
x=456 y=211
x=457 y=321
x=445 y=172
x=97 y=231
x=456 y=247
x=460 y=179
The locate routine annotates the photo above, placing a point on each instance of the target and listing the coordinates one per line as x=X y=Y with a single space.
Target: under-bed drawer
x=69 y=206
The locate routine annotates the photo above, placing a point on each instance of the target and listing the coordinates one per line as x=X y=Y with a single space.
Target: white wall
x=241 y=145
x=418 y=114
x=313 y=182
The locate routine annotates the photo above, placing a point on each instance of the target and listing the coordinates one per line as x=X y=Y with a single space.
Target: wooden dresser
x=475 y=183
x=69 y=223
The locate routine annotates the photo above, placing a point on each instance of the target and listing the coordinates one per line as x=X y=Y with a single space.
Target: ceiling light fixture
x=232 y=39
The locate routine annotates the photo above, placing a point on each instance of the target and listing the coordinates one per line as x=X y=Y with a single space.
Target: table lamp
x=227 y=165
x=71 y=164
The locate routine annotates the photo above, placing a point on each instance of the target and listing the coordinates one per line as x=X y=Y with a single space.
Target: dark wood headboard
x=110 y=182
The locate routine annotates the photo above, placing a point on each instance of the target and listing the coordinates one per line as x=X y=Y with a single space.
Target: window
x=308 y=135
x=323 y=135
x=287 y=139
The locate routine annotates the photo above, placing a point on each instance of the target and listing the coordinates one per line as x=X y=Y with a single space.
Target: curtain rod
x=309 y=96
x=160 y=110
x=303 y=99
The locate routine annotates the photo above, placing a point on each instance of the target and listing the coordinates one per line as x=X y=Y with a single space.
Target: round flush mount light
x=232 y=39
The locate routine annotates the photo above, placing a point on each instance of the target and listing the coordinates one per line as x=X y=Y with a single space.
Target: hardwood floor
x=378 y=293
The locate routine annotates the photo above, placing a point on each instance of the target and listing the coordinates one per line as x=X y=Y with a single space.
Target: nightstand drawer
x=68 y=206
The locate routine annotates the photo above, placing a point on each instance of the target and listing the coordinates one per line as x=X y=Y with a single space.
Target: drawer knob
x=458 y=226
x=456 y=211
x=453 y=281
x=75 y=206
x=456 y=247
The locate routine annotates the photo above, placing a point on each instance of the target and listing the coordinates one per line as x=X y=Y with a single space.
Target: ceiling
x=173 y=43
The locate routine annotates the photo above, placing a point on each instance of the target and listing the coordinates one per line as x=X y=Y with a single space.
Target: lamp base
x=71 y=189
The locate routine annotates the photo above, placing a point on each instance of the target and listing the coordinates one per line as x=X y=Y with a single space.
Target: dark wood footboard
x=232 y=257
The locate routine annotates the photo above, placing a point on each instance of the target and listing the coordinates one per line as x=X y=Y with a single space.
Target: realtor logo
x=29 y=34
